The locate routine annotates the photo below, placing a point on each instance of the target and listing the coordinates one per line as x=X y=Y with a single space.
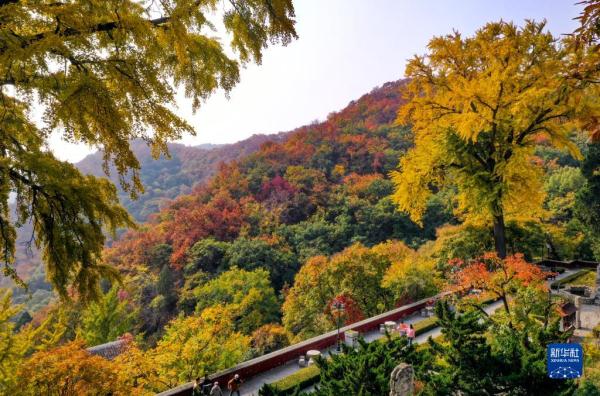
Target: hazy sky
x=346 y=47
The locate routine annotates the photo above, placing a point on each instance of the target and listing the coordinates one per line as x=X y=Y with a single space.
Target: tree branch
x=533 y=123
x=69 y=32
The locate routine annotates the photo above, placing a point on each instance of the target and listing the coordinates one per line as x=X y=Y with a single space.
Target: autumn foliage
x=71 y=371
x=349 y=313
x=495 y=275
x=260 y=255
x=283 y=183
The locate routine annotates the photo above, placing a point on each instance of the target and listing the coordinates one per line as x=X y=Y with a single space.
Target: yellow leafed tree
x=478 y=106
x=69 y=370
x=197 y=345
x=16 y=346
x=585 y=64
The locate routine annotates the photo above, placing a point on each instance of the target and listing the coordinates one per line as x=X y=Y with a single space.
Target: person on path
x=411 y=334
x=402 y=328
x=216 y=390
x=234 y=385
x=197 y=388
x=206 y=386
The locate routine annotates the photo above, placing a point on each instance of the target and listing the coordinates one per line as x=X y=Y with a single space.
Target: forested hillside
x=314 y=190
x=320 y=190
x=167 y=178
x=163 y=179
x=253 y=259
x=229 y=250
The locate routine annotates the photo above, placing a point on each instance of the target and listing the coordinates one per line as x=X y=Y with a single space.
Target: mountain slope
x=163 y=179
x=322 y=188
x=274 y=201
x=167 y=178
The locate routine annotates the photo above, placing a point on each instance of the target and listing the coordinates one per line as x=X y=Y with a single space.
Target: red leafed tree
x=133 y=247
x=350 y=313
x=498 y=277
x=276 y=191
x=222 y=218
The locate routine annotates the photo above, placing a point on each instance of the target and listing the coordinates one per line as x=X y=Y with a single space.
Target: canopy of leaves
x=269 y=338
x=197 y=345
x=587 y=207
x=372 y=280
x=411 y=276
x=247 y=295
x=500 y=278
x=108 y=318
x=8 y=349
x=69 y=370
x=477 y=105
x=585 y=67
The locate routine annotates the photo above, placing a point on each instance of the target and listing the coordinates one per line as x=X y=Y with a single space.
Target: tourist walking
x=410 y=333
x=234 y=385
x=206 y=386
x=197 y=388
x=216 y=390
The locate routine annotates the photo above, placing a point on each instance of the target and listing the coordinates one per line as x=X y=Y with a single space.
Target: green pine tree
x=366 y=371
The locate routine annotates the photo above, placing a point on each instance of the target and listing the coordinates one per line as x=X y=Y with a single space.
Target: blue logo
x=565 y=361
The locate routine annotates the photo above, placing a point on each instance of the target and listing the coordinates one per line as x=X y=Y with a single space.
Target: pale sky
x=345 y=48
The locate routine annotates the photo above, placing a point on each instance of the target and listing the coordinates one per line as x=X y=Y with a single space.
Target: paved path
x=252 y=385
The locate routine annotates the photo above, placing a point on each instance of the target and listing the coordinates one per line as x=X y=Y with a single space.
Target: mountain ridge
x=166 y=178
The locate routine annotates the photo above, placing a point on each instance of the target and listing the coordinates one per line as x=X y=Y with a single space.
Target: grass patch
x=425 y=325
x=569 y=279
x=587 y=279
x=302 y=378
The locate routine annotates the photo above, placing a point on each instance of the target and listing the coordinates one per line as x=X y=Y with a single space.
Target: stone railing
x=568 y=264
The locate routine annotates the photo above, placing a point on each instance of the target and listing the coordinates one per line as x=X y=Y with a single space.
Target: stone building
x=582 y=310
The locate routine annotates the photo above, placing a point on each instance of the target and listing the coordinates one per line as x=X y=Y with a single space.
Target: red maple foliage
x=350 y=313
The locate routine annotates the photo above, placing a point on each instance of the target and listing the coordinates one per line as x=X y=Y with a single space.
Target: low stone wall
x=274 y=359
x=573 y=264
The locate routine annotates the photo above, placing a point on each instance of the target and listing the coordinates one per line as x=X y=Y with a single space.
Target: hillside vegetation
x=166 y=178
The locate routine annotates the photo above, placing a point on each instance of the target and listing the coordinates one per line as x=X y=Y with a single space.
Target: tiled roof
x=566 y=309
x=110 y=350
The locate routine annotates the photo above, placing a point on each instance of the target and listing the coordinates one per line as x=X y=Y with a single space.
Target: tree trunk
x=500 y=235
